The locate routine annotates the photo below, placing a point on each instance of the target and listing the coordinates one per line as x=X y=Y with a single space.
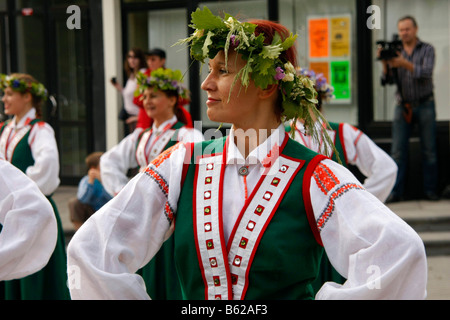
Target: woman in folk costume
x=163 y=94
x=250 y=213
x=29 y=144
x=24 y=210
x=352 y=147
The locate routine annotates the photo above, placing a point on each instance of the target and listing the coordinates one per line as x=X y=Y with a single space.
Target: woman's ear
x=269 y=91
x=173 y=101
x=28 y=98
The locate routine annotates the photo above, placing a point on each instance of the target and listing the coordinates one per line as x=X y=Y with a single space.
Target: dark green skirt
x=50 y=283
x=160 y=275
x=326 y=273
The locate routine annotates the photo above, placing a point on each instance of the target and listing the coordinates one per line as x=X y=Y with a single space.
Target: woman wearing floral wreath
x=29 y=144
x=250 y=213
x=163 y=96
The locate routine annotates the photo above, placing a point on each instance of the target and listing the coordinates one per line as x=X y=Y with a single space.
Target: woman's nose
x=208 y=83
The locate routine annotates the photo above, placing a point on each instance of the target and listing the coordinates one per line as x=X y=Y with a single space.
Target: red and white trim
x=142 y=157
x=254 y=219
x=10 y=140
x=225 y=270
x=208 y=227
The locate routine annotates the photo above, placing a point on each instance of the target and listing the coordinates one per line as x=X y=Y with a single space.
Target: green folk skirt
x=50 y=283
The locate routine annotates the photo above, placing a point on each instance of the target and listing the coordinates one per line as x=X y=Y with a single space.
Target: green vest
x=262 y=260
x=22 y=157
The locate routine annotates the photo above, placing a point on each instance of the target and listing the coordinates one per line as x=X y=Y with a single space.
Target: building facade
x=76 y=46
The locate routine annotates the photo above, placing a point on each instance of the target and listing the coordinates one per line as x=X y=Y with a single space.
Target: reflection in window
x=331 y=27
x=434 y=31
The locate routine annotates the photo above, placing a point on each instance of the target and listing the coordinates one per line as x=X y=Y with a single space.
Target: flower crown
x=264 y=64
x=35 y=88
x=163 y=79
x=323 y=88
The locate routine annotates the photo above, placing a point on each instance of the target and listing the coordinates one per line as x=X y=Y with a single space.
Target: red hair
x=269 y=29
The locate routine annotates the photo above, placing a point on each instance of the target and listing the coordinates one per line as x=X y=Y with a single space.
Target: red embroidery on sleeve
x=325 y=178
x=158 y=161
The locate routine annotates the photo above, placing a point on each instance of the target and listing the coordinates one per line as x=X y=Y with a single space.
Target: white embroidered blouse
x=359 y=233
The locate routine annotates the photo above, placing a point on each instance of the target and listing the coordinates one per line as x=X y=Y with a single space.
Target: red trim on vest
x=222 y=237
x=187 y=161
x=269 y=219
x=255 y=190
x=307 y=196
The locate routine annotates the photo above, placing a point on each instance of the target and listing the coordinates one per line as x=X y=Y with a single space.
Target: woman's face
x=158 y=105
x=15 y=102
x=133 y=60
x=223 y=106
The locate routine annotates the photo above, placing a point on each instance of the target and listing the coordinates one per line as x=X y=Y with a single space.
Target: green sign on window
x=340 y=79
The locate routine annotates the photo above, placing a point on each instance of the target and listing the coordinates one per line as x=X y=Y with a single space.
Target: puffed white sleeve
x=124 y=235
x=187 y=135
x=115 y=163
x=28 y=234
x=45 y=171
x=380 y=255
x=373 y=162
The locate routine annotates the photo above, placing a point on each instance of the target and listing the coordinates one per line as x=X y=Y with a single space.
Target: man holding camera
x=412 y=70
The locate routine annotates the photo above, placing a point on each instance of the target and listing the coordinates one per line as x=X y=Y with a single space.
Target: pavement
x=430 y=219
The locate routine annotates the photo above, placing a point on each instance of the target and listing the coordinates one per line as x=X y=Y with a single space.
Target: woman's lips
x=212 y=101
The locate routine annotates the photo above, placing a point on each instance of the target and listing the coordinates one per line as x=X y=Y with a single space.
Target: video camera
x=390 y=50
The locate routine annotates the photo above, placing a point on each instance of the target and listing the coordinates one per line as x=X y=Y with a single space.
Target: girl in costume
x=352 y=147
x=29 y=144
x=23 y=206
x=163 y=95
x=250 y=213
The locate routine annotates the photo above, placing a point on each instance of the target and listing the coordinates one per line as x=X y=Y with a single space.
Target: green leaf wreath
x=22 y=86
x=264 y=65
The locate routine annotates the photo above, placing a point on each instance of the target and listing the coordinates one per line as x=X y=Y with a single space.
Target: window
x=435 y=31
x=327 y=40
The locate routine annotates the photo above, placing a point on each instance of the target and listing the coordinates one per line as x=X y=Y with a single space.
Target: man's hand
x=401 y=62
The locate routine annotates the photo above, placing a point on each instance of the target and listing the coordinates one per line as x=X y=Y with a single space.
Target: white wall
x=112 y=45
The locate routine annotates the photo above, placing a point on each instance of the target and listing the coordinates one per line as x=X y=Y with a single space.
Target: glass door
x=71 y=101
x=59 y=57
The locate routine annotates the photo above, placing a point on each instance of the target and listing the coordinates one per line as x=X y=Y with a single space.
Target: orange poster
x=320 y=68
x=318 y=38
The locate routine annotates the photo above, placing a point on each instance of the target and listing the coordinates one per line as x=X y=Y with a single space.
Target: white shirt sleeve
x=28 y=237
x=127 y=241
x=45 y=171
x=377 y=252
x=115 y=163
x=378 y=167
x=187 y=135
